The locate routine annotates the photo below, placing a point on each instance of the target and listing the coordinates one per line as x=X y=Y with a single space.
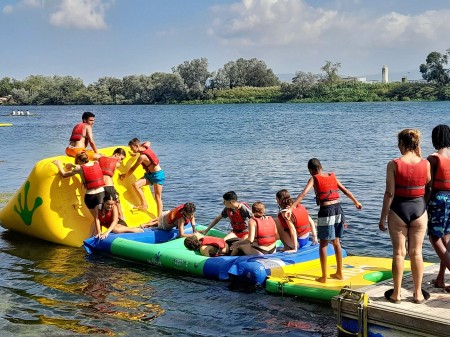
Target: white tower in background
x=384 y=75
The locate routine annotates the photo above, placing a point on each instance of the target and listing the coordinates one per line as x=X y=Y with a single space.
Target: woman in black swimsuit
x=404 y=210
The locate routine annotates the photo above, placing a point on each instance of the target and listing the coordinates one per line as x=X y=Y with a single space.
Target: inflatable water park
x=51 y=208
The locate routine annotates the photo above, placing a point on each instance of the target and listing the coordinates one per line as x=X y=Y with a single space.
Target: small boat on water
x=51 y=208
x=21 y=113
x=5 y=124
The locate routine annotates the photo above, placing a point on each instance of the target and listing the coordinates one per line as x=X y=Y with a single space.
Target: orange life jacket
x=108 y=165
x=442 y=176
x=266 y=231
x=410 y=179
x=299 y=218
x=176 y=214
x=93 y=176
x=326 y=187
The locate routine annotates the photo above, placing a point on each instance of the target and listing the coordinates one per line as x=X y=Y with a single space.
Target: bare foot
x=141 y=208
x=337 y=276
x=438 y=283
x=322 y=279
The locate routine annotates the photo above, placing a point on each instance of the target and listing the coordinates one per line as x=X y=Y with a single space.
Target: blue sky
x=90 y=39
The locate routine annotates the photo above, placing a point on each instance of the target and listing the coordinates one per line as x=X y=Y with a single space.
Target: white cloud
x=8 y=9
x=286 y=23
x=86 y=14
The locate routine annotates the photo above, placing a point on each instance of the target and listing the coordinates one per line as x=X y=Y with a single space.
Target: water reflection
x=56 y=285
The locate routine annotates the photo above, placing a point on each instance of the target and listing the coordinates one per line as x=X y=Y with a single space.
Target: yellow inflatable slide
x=51 y=208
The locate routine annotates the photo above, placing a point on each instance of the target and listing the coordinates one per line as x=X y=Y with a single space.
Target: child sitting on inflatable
x=262 y=234
x=107 y=215
x=237 y=212
x=177 y=217
x=294 y=231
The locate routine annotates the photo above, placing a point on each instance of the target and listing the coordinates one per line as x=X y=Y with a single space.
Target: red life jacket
x=265 y=231
x=237 y=221
x=176 y=214
x=77 y=132
x=299 y=218
x=107 y=219
x=93 y=176
x=108 y=165
x=410 y=179
x=151 y=156
x=442 y=177
x=326 y=187
x=212 y=240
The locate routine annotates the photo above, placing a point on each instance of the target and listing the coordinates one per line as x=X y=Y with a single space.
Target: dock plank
x=427 y=319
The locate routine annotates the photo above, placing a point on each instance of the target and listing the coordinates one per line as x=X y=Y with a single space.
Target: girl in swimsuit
x=405 y=213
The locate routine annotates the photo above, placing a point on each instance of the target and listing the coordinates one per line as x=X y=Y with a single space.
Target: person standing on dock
x=404 y=209
x=82 y=136
x=439 y=200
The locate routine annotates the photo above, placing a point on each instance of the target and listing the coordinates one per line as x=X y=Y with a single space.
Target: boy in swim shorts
x=331 y=218
x=154 y=174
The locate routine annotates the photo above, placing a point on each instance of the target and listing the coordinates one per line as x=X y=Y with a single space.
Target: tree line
x=240 y=81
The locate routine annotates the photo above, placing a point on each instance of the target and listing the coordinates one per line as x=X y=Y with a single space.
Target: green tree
x=331 y=72
x=194 y=74
x=244 y=73
x=434 y=70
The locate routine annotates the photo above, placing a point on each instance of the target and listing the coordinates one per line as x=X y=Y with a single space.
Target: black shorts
x=92 y=200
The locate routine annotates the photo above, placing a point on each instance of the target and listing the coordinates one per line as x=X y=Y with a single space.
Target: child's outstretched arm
x=308 y=187
x=132 y=168
x=349 y=194
x=212 y=224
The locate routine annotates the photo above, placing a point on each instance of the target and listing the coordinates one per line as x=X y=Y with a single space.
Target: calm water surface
x=205 y=151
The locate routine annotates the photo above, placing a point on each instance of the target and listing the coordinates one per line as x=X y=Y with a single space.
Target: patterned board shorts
x=330 y=222
x=439 y=214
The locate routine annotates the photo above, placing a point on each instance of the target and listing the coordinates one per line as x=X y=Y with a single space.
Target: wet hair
x=189 y=207
x=258 y=208
x=285 y=198
x=409 y=139
x=81 y=158
x=134 y=141
x=192 y=243
x=314 y=165
x=440 y=136
x=230 y=196
x=109 y=197
x=120 y=151
x=86 y=115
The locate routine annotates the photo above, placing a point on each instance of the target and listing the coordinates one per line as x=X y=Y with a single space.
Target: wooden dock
x=379 y=317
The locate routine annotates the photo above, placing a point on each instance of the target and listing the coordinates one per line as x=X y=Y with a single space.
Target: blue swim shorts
x=439 y=214
x=157 y=177
x=330 y=222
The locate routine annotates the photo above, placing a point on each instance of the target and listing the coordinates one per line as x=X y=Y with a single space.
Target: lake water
x=205 y=150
